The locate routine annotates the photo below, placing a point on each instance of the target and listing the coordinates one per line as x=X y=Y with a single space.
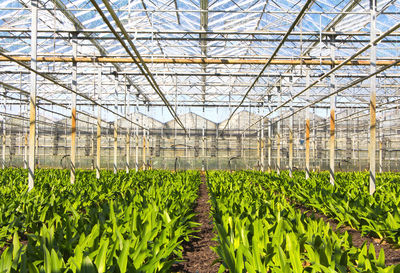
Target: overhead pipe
x=224 y=61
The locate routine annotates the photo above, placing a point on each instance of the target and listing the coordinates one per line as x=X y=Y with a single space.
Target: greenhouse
x=200 y=136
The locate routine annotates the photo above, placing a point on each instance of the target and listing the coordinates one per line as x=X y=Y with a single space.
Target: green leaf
x=123 y=257
x=381 y=258
x=100 y=260
x=294 y=252
x=87 y=266
x=6 y=261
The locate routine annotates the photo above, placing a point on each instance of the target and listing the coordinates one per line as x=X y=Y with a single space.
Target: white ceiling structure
x=227 y=54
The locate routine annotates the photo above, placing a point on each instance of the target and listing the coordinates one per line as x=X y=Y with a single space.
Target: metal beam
x=293 y=25
x=375 y=41
x=201 y=61
x=80 y=27
x=145 y=71
x=44 y=75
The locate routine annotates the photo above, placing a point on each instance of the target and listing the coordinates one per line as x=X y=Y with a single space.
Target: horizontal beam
x=213 y=104
x=196 y=61
x=208 y=74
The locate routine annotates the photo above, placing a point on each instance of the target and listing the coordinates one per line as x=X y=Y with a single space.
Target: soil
x=392 y=254
x=197 y=255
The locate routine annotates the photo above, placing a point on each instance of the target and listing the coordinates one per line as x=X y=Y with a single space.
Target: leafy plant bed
x=122 y=223
x=392 y=253
x=259 y=231
x=348 y=201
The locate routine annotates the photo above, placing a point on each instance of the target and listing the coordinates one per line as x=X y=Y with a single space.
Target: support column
x=115 y=146
x=372 y=103
x=32 y=98
x=332 y=123
x=137 y=148
x=380 y=156
x=128 y=131
x=278 y=132
x=115 y=165
x=144 y=149
x=98 y=146
x=148 y=150
x=98 y=134
x=291 y=151
x=291 y=133
x=3 y=150
x=73 y=109
x=307 y=148
x=307 y=129
x=137 y=134
x=278 y=151
x=26 y=152
x=262 y=141
x=269 y=148
x=203 y=139
x=332 y=144
x=127 y=149
x=259 y=148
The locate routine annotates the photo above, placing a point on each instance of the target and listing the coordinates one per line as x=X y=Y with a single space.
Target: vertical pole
x=291 y=150
x=332 y=123
x=144 y=149
x=291 y=132
x=259 y=146
x=137 y=134
x=115 y=146
x=137 y=148
x=380 y=156
x=98 y=146
x=32 y=99
x=148 y=149
x=203 y=167
x=116 y=128
x=358 y=146
x=3 y=156
x=128 y=132
x=73 y=109
x=308 y=129
x=278 y=136
x=26 y=152
x=262 y=145
x=98 y=135
x=372 y=104
x=269 y=147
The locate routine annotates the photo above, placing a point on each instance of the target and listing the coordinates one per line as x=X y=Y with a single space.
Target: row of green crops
x=348 y=201
x=260 y=231
x=121 y=223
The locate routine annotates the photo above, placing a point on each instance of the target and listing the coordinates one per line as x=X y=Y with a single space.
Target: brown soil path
x=197 y=254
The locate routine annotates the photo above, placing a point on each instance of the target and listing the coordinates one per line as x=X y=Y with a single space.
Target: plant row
x=348 y=201
x=121 y=223
x=260 y=231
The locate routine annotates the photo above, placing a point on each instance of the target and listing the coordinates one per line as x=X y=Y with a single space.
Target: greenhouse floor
x=197 y=253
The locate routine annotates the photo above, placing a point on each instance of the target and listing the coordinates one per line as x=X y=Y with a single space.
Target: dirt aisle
x=197 y=253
